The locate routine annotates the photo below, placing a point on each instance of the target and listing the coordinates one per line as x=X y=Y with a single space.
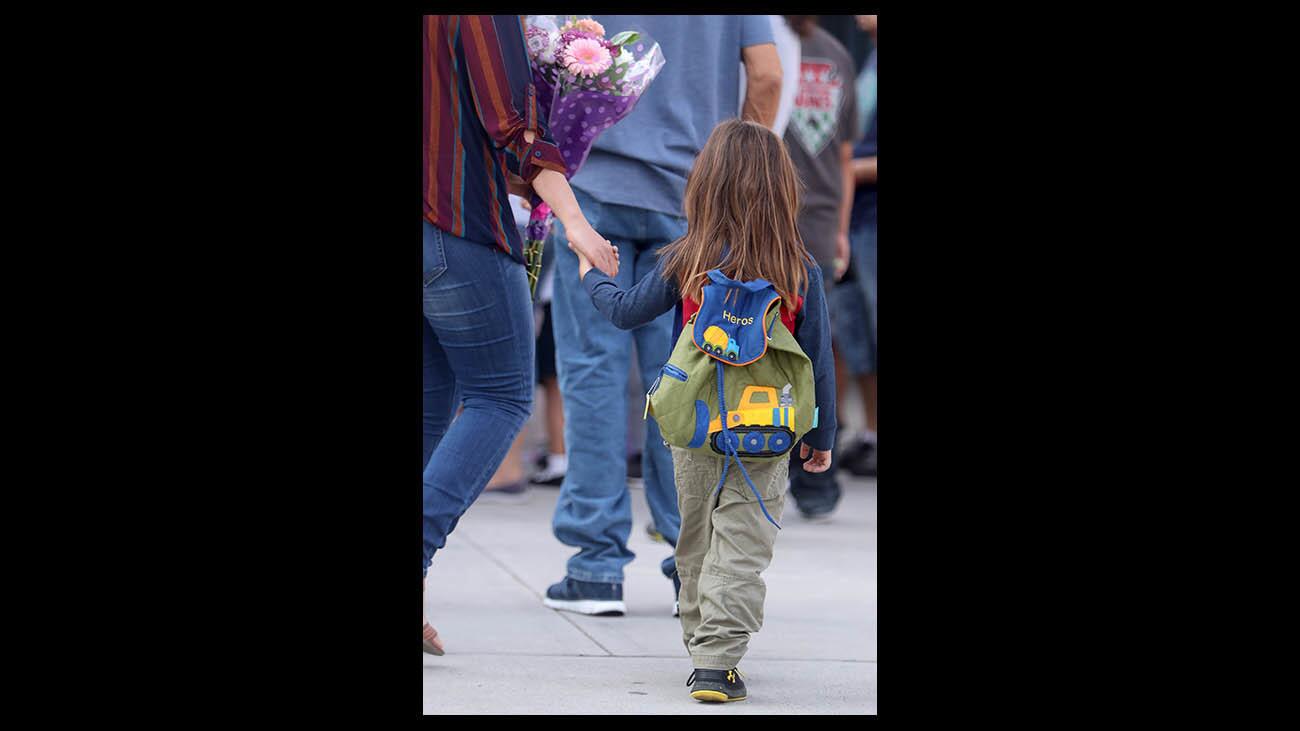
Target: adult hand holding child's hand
x=592 y=250
x=584 y=265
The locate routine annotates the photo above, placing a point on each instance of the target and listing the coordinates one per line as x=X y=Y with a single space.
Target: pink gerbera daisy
x=586 y=57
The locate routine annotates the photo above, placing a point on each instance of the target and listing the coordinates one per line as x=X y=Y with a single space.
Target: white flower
x=547 y=53
x=536 y=38
x=542 y=44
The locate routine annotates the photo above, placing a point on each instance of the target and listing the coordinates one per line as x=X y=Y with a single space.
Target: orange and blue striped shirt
x=479 y=100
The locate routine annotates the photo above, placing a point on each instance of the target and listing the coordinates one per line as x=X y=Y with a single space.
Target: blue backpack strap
x=730 y=448
x=754 y=285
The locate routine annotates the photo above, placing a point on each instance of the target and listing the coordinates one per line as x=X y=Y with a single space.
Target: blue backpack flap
x=731 y=319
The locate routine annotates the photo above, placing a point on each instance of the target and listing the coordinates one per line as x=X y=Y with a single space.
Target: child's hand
x=584 y=265
x=820 y=462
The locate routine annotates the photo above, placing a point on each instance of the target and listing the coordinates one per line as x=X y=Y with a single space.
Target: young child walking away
x=739 y=388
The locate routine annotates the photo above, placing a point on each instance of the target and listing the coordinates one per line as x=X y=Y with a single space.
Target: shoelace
x=730 y=447
x=731 y=676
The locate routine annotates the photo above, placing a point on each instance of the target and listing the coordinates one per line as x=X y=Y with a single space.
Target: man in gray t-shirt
x=631 y=189
x=820 y=140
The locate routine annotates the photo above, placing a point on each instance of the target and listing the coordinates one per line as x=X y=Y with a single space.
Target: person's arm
x=762 y=70
x=554 y=188
x=505 y=102
x=864 y=156
x=788 y=49
x=627 y=309
x=864 y=170
x=846 y=133
x=763 y=83
x=846 y=209
x=813 y=333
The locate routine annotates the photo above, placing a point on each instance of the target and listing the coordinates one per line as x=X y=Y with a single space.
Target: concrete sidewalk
x=509 y=654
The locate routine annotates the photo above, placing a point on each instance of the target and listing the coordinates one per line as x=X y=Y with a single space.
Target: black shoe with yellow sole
x=717 y=686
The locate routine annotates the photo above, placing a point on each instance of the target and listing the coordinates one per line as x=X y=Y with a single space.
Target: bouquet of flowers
x=585 y=83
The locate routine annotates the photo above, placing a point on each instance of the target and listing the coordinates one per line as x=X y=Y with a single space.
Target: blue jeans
x=853 y=306
x=478 y=347
x=864 y=258
x=594 y=511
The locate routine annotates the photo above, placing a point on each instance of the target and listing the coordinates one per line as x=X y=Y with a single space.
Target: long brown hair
x=742 y=195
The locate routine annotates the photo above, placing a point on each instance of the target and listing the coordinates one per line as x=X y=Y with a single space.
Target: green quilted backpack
x=737 y=383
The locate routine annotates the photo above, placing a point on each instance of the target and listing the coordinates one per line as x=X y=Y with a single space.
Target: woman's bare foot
x=432 y=644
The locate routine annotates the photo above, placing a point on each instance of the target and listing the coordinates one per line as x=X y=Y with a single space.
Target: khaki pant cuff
x=714 y=662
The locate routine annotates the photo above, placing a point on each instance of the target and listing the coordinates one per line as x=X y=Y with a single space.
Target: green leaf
x=624 y=38
x=616 y=74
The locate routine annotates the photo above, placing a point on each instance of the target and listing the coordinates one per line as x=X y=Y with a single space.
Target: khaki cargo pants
x=725 y=543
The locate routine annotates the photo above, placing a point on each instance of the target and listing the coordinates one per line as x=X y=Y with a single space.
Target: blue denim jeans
x=863 y=241
x=594 y=511
x=853 y=306
x=864 y=256
x=478 y=349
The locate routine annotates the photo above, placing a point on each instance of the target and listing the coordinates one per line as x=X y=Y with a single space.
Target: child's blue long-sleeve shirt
x=655 y=294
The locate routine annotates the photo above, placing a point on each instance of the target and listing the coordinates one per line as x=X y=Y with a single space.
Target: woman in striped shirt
x=483 y=139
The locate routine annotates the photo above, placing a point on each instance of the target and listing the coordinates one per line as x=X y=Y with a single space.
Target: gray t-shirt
x=823 y=119
x=643 y=160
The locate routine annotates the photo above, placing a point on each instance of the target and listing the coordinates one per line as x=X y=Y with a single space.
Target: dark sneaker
x=717 y=686
x=634 y=466
x=586 y=597
x=816 y=513
x=851 y=452
x=863 y=461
